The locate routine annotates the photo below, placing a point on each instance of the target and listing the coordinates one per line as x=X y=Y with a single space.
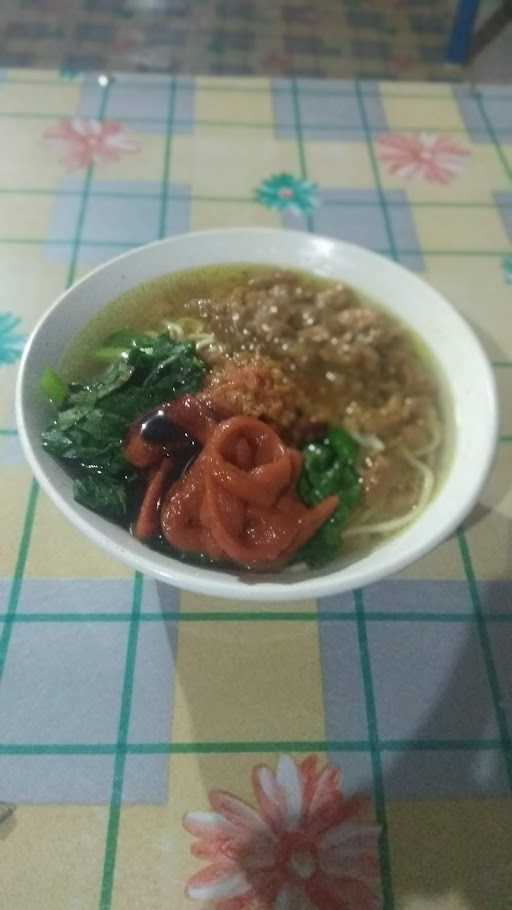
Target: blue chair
x=462 y=40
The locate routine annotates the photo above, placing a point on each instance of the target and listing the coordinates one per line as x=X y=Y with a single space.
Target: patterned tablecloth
x=163 y=750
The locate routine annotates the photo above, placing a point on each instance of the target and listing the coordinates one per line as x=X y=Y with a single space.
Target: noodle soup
x=248 y=416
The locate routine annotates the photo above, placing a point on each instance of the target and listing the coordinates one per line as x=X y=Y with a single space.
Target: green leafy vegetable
x=54 y=387
x=103 y=495
x=93 y=418
x=119 y=344
x=329 y=469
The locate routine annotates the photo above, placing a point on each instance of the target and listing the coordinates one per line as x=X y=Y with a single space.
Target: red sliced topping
x=238 y=500
x=148 y=519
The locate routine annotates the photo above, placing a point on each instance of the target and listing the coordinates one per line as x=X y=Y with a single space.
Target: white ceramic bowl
x=466 y=369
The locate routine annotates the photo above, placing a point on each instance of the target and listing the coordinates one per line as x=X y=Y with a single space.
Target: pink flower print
x=84 y=142
x=427 y=156
x=305 y=848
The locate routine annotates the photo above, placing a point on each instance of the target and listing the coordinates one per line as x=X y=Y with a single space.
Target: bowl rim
x=208 y=581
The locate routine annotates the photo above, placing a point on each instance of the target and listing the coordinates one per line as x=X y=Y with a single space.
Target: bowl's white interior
x=460 y=356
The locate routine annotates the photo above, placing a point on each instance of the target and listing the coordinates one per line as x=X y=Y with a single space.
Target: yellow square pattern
x=476 y=286
x=206 y=163
x=450 y=229
x=427 y=114
x=18 y=167
x=504 y=385
x=507 y=151
x=213 y=214
x=249 y=86
x=435 y=867
x=441 y=564
x=24 y=216
x=16 y=484
x=488 y=531
x=58 y=550
x=30 y=279
x=347 y=164
x=232 y=107
x=7 y=391
x=55 y=101
x=279 y=661
x=424 y=90
x=194 y=603
x=40 y=841
x=28 y=77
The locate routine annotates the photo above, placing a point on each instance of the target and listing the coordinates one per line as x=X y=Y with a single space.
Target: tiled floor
x=385 y=39
x=366 y=38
